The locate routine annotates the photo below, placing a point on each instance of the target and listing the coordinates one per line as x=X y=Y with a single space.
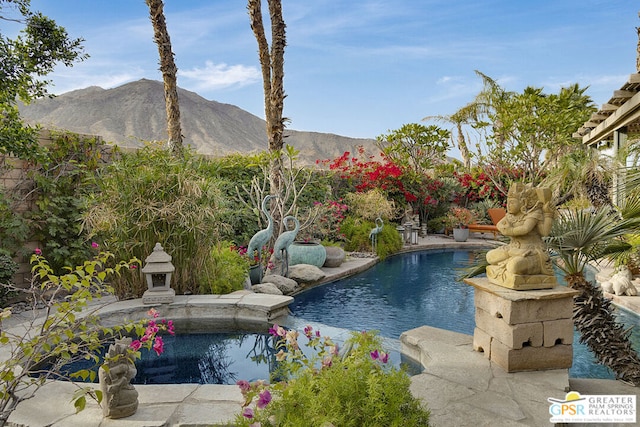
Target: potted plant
x=458 y=219
x=255 y=261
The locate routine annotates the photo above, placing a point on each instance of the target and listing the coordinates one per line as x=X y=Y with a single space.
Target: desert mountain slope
x=134 y=112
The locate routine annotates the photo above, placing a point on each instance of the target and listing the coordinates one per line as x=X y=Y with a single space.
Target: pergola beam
x=621 y=117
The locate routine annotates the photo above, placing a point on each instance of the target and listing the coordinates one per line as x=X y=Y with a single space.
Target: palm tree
x=169 y=71
x=583 y=171
x=577 y=239
x=474 y=114
x=272 y=64
x=461 y=117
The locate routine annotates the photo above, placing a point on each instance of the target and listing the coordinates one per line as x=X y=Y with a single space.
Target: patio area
x=460 y=386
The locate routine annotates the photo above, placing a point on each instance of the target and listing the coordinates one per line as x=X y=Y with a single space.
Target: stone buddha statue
x=524 y=263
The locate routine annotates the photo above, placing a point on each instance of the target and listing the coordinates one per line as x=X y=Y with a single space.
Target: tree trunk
x=272 y=65
x=599 y=330
x=169 y=72
x=464 y=149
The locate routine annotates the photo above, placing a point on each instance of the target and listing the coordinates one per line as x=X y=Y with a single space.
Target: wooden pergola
x=621 y=114
x=612 y=124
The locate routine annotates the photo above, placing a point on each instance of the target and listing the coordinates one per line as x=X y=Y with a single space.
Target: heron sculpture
x=263 y=236
x=281 y=247
x=373 y=234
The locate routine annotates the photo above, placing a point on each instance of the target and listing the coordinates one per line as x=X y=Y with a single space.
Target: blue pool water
x=414 y=289
x=401 y=293
x=224 y=358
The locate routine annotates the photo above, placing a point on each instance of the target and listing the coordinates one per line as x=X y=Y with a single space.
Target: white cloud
x=450 y=80
x=219 y=76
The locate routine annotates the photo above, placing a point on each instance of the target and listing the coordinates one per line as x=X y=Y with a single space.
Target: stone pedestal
x=523 y=330
x=158 y=296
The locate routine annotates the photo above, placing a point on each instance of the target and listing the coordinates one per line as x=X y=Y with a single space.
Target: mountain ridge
x=134 y=112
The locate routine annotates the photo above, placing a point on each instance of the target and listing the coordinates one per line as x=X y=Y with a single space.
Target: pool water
x=413 y=289
x=403 y=292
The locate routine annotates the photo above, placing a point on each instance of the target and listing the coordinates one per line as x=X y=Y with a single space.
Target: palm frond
x=579 y=236
x=631 y=206
x=476 y=268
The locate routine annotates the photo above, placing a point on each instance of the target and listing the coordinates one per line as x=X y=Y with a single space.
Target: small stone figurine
x=119 y=397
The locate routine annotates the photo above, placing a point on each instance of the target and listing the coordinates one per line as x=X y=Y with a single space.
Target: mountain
x=135 y=112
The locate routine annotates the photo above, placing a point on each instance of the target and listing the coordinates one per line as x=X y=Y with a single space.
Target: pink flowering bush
x=148 y=334
x=354 y=385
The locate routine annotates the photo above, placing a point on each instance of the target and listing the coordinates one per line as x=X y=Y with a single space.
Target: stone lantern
x=157 y=271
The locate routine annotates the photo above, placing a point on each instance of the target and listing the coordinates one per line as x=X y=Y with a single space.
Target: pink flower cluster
x=380 y=355
x=151 y=333
x=264 y=397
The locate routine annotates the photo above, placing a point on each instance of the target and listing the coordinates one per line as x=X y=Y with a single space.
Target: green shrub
x=14 y=230
x=149 y=196
x=7 y=269
x=357 y=231
x=236 y=172
x=436 y=225
x=356 y=387
x=225 y=271
x=63 y=181
x=370 y=205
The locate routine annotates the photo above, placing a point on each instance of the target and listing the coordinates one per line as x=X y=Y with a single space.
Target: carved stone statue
x=524 y=263
x=119 y=397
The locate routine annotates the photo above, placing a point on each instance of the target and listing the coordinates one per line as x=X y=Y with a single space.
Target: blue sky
x=359 y=68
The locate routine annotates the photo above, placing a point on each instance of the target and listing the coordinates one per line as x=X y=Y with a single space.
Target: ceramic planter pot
x=255 y=274
x=460 y=234
x=307 y=253
x=335 y=256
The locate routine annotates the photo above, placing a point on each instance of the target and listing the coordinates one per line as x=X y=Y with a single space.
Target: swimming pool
x=404 y=292
x=413 y=289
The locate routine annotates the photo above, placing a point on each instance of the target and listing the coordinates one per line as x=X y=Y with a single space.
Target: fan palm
x=582 y=172
x=577 y=239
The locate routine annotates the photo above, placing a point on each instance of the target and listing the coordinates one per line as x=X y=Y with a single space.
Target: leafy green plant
x=436 y=225
x=7 y=269
x=63 y=184
x=356 y=232
x=353 y=387
x=225 y=271
x=14 y=229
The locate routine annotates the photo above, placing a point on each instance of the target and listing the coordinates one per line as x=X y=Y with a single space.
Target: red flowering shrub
x=401 y=184
x=490 y=183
